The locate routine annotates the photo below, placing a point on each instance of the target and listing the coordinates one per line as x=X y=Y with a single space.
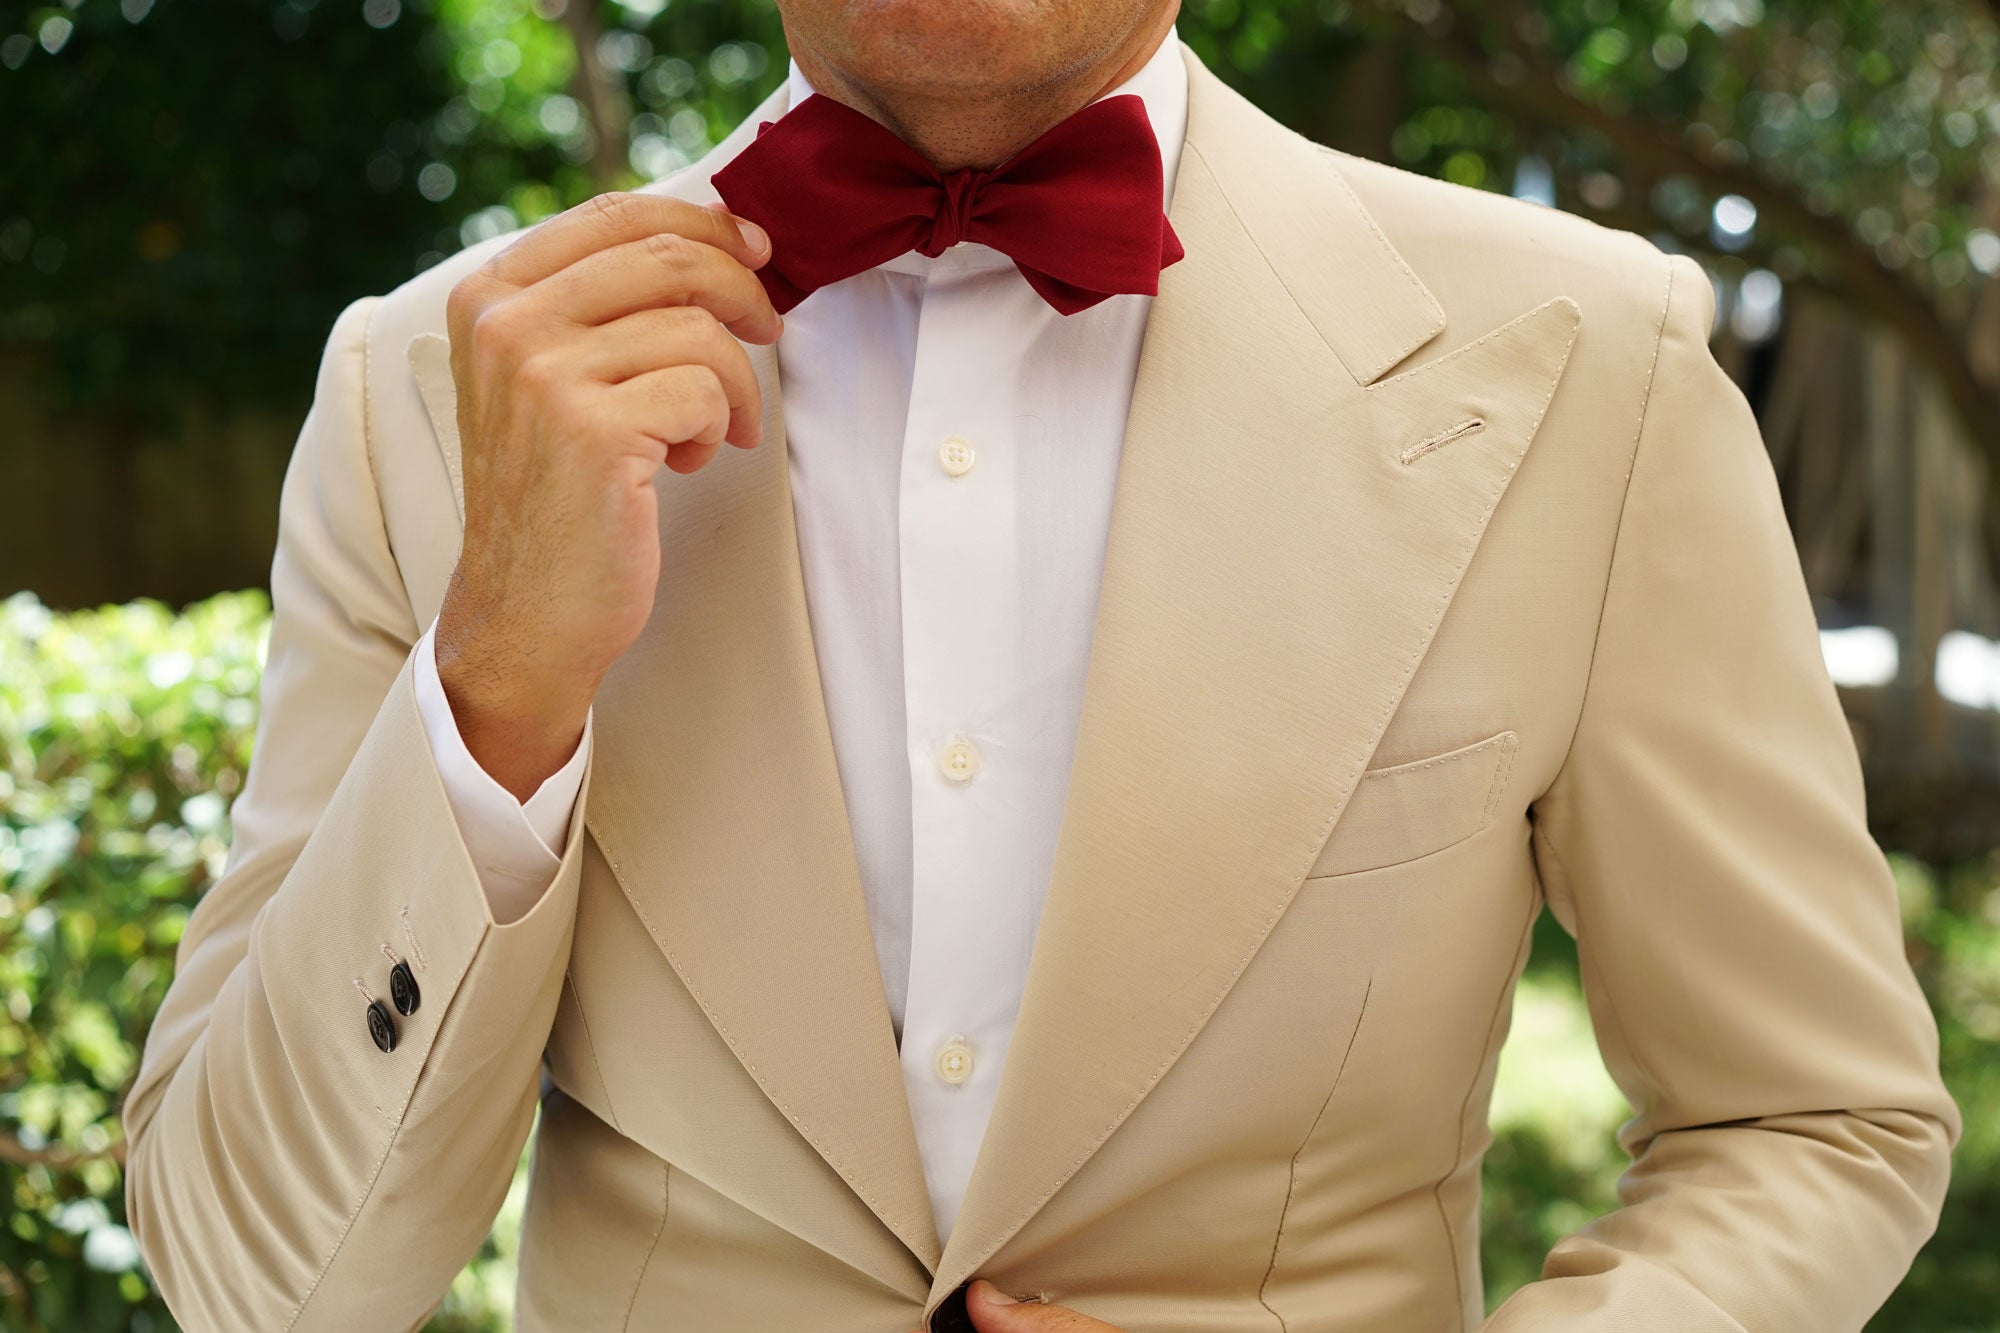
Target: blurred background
x=190 y=191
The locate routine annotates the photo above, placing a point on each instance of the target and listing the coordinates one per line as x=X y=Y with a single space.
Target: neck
x=984 y=130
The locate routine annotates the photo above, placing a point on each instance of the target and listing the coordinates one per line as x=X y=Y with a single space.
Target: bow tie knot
x=952 y=222
x=1078 y=210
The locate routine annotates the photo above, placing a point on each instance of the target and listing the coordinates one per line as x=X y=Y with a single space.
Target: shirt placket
x=961 y=619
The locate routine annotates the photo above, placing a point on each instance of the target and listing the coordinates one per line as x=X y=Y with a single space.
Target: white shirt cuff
x=513 y=845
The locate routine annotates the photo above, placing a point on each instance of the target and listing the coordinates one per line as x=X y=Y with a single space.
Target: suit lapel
x=716 y=801
x=1288 y=530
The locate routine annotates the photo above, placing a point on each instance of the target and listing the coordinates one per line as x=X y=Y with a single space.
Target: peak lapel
x=1288 y=530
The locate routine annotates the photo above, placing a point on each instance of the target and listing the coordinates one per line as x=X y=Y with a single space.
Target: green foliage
x=521 y=128
x=1882 y=115
x=124 y=731
x=1953 y=923
x=194 y=187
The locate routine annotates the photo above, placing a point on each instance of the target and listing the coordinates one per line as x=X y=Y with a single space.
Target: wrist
x=519 y=720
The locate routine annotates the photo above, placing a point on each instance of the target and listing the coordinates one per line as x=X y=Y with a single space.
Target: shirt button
x=954 y=1062
x=955 y=455
x=959 y=761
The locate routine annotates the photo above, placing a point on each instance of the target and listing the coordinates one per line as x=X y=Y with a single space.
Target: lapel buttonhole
x=1442 y=438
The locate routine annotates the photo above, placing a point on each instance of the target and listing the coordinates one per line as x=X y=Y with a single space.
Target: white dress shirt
x=953 y=447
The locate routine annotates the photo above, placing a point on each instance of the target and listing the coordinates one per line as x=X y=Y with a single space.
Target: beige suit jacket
x=1447 y=580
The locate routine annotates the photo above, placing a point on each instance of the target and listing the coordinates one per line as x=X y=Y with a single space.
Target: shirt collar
x=1160 y=84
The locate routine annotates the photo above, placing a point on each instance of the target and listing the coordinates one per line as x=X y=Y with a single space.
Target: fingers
x=682 y=408
x=993 y=1311
x=660 y=269
x=618 y=218
x=650 y=340
x=616 y=318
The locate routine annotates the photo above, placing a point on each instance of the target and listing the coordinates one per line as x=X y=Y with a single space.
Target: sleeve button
x=403 y=989
x=380 y=1026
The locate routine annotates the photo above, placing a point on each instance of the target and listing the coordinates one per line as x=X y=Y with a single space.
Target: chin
x=934 y=48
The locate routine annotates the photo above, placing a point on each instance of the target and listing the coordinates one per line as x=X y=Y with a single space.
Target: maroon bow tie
x=1077 y=210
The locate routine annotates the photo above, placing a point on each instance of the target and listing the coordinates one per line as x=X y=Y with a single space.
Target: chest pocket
x=1411 y=810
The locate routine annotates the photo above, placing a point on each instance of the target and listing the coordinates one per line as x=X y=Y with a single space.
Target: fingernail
x=753 y=236
x=991 y=1295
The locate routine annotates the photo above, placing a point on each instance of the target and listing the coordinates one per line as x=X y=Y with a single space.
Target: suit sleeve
x=1705 y=842
x=283 y=1172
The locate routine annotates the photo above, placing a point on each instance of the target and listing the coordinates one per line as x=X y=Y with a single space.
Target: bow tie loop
x=1078 y=210
x=952 y=222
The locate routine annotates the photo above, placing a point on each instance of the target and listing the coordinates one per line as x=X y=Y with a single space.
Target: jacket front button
x=951 y=1315
x=380 y=1026
x=403 y=989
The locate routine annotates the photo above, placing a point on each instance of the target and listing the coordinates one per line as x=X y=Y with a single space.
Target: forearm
x=291 y=1174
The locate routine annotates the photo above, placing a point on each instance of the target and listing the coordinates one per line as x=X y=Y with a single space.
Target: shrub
x=123 y=733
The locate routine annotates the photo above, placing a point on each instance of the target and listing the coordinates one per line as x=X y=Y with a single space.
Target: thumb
x=994 y=1311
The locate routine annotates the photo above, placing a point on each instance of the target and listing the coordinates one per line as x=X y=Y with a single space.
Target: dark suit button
x=382 y=1027
x=951 y=1316
x=403 y=989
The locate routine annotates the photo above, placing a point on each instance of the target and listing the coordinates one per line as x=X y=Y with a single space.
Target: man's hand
x=994 y=1311
x=587 y=354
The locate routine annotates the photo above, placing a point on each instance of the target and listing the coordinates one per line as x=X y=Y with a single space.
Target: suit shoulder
x=1486 y=256
x=418 y=304
x=1479 y=226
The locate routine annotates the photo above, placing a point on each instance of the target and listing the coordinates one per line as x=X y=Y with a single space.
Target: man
x=1062 y=800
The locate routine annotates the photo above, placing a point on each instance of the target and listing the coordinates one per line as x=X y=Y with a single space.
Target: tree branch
x=17 y=1153
x=600 y=91
x=1540 y=96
